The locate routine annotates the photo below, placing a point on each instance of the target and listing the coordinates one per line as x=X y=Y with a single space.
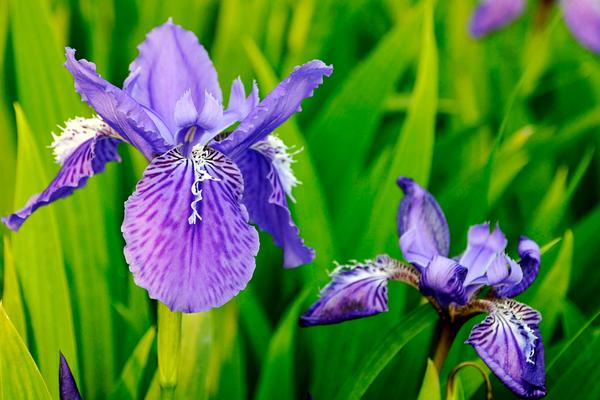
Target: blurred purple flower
x=508 y=339
x=582 y=18
x=188 y=240
x=67 y=385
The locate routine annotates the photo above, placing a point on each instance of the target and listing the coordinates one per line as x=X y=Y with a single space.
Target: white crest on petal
x=199 y=158
x=512 y=313
x=282 y=158
x=75 y=132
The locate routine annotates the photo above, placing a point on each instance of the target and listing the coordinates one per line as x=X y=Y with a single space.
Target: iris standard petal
x=265 y=198
x=116 y=108
x=482 y=250
x=66 y=381
x=355 y=291
x=583 y=19
x=279 y=105
x=422 y=226
x=170 y=62
x=492 y=15
x=83 y=149
x=510 y=343
x=443 y=280
x=189 y=262
x=239 y=105
x=529 y=251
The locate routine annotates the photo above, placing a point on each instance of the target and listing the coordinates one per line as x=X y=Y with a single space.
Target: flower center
x=200 y=158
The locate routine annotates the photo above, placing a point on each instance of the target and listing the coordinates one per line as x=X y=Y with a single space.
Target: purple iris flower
x=483 y=279
x=66 y=381
x=582 y=18
x=186 y=227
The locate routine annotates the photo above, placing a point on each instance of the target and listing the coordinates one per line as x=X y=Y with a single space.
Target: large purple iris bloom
x=186 y=227
x=508 y=339
x=582 y=18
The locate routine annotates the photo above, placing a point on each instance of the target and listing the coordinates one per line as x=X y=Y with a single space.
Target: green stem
x=447 y=334
x=169 y=349
x=450 y=391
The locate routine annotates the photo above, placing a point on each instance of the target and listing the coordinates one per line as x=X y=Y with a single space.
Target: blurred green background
x=503 y=129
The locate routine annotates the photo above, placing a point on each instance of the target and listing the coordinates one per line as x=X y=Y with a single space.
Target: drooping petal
x=583 y=19
x=283 y=102
x=510 y=343
x=443 y=280
x=170 y=62
x=84 y=148
x=493 y=15
x=482 y=250
x=66 y=381
x=265 y=198
x=116 y=108
x=529 y=251
x=188 y=242
x=356 y=291
x=422 y=226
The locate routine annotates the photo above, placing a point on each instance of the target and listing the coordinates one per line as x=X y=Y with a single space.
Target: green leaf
x=550 y=294
x=41 y=273
x=11 y=295
x=129 y=384
x=279 y=361
x=412 y=155
x=19 y=376
x=430 y=389
x=384 y=351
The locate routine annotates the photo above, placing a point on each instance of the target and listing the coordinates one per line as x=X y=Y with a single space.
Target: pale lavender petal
x=265 y=198
x=188 y=242
x=186 y=113
x=355 y=291
x=239 y=105
x=529 y=251
x=66 y=381
x=443 y=280
x=283 y=102
x=171 y=61
x=482 y=249
x=503 y=272
x=492 y=15
x=510 y=343
x=422 y=226
x=583 y=19
x=116 y=108
x=86 y=160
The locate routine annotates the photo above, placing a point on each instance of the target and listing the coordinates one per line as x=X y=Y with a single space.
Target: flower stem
x=450 y=390
x=169 y=348
x=447 y=333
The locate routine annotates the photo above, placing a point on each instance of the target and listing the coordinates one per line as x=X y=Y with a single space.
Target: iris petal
x=529 y=252
x=279 y=105
x=170 y=62
x=492 y=15
x=483 y=248
x=67 y=384
x=265 y=198
x=355 y=291
x=422 y=226
x=443 y=280
x=85 y=159
x=510 y=343
x=190 y=264
x=583 y=19
x=116 y=108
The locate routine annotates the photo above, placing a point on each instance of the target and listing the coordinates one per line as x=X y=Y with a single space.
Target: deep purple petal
x=86 y=159
x=443 y=280
x=422 y=226
x=510 y=343
x=66 y=381
x=483 y=248
x=492 y=15
x=583 y=19
x=116 y=107
x=187 y=236
x=355 y=291
x=266 y=201
x=283 y=102
x=171 y=61
x=529 y=251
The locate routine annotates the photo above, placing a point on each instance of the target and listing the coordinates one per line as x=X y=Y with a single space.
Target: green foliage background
x=503 y=129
